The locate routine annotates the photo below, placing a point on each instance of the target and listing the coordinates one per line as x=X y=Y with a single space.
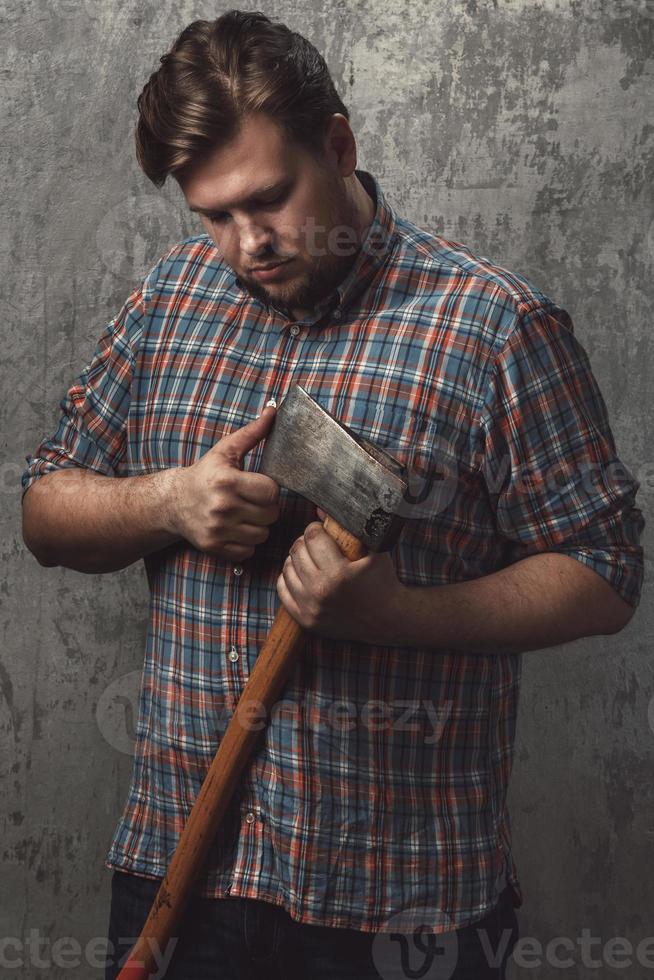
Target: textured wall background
x=524 y=129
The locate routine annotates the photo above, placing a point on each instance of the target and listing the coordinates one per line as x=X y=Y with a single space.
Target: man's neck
x=366 y=207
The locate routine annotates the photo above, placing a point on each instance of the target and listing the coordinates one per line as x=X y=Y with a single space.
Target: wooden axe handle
x=264 y=686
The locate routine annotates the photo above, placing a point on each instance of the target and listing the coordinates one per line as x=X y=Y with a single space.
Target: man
x=379 y=788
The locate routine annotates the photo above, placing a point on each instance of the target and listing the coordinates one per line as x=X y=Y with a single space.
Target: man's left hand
x=325 y=593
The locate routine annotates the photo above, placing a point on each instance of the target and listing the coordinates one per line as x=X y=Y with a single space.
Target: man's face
x=264 y=200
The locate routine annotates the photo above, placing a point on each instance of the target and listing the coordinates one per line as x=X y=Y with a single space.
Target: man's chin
x=267 y=294
x=278 y=292
x=302 y=291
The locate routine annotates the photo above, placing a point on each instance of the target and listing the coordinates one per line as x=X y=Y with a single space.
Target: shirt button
x=233 y=655
x=294 y=331
x=271 y=401
x=238 y=569
x=249 y=817
x=337 y=315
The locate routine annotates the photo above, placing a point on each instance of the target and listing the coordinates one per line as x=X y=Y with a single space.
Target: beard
x=326 y=270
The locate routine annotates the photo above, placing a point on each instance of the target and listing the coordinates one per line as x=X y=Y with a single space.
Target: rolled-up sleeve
x=92 y=428
x=549 y=459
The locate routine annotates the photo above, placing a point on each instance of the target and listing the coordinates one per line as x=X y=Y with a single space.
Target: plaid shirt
x=380 y=782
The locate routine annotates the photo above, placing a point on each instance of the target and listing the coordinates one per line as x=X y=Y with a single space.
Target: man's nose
x=256 y=239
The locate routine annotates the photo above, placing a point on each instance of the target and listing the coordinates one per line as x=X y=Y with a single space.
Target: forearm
x=541 y=601
x=94 y=523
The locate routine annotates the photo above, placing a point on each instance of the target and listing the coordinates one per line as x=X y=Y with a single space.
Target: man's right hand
x=217 y=506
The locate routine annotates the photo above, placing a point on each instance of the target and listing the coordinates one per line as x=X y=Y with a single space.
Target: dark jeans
x=248 y=939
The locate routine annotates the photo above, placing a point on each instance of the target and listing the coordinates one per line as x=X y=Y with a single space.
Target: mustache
x=270 y=259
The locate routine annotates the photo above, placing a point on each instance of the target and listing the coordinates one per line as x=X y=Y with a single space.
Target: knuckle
x=225 y=477
x=223 y=504
x=216 y=527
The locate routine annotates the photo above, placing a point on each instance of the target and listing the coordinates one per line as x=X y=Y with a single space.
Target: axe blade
x=358 y=484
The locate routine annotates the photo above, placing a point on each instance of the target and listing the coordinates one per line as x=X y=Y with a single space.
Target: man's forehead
x=254 y=162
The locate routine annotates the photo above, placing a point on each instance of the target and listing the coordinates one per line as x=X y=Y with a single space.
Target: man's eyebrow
x=266 y=189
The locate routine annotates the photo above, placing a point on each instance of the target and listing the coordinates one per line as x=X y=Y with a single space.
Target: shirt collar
x=375 y=249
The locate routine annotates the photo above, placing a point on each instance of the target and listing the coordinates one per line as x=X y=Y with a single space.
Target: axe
x=361 y=488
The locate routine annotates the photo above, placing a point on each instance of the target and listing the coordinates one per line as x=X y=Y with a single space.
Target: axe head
x=358 y=484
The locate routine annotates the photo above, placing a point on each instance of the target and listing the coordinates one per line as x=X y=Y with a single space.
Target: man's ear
x=340 y=145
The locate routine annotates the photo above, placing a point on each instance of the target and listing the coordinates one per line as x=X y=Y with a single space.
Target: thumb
x=235 y=445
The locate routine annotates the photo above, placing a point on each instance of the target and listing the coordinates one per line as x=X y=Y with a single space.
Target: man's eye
x=276 y=200
x=221 y=216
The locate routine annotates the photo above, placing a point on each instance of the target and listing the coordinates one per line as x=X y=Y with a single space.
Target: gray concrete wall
x=523 y=129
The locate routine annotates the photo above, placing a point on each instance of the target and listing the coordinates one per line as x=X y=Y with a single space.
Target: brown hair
x=216 y=73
